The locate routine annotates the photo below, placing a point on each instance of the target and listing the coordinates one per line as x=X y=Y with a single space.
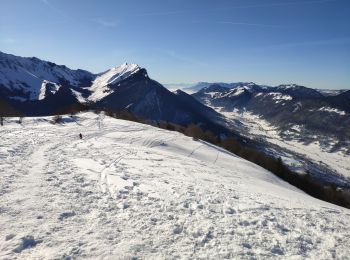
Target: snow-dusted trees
x=194 y=130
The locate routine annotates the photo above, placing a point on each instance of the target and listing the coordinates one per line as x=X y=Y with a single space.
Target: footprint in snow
x=125 y=177
x=178 y=229
x=65 y=215
x=277 y=251
x=247 y=245
x=26 y=242
x=9 y=237
x=230 y=211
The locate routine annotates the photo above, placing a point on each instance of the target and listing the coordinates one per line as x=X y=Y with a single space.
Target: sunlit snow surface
x=129 y=190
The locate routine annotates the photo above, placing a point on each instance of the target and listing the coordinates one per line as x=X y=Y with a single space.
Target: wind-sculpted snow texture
x=131 y=191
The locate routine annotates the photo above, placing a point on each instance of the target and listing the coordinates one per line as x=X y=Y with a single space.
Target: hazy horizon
x=304 y=42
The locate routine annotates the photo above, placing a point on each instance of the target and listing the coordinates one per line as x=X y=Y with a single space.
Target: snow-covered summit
x=99 y=86
x=288 y=86
x=235 y=92
x=298 y=91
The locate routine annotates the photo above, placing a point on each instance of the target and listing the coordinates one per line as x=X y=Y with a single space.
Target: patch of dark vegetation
x=72 y=109
x=7 y=110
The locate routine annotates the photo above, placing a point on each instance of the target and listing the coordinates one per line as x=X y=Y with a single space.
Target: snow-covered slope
x=130 y=191
x=99 y=86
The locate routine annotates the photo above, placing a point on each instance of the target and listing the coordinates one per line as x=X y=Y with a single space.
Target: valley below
x=302 y=153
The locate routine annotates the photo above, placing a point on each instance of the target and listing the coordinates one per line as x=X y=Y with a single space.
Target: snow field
x=131 y=191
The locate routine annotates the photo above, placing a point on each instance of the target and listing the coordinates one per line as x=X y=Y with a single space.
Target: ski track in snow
x=130 y=191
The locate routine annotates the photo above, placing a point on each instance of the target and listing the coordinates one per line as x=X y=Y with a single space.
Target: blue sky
x=270 y=42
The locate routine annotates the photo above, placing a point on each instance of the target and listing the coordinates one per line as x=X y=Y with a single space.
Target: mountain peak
x=299 y=91
x=127 y=66
x=114 y=75
x=288 y=86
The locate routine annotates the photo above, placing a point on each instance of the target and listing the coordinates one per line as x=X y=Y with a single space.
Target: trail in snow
x=130 y=190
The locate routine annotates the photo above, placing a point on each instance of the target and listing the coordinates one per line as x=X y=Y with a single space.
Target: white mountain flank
x=99 y=86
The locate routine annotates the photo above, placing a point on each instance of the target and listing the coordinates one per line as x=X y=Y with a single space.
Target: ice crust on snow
x=129 y=190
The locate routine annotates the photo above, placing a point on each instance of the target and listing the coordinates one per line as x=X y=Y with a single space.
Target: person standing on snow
x=80 y=136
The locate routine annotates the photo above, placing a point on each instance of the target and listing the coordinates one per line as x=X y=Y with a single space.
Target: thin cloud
x=7 y=40
x=182 y=58
x=277 y=4
x=338 y=41
x=107 y=23
x=164 y=13
x=290 y=45
x=251 y=24
x=49 y=4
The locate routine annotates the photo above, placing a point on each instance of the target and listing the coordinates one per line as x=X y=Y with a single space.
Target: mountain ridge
x=35 y=87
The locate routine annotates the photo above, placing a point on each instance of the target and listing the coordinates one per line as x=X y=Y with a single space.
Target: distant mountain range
x=33 y=87
x=284 y=105
x=308 y=128
x=200 y=85
x=30 y=86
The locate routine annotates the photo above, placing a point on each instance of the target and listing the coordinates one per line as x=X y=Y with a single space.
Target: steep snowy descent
x=129 y=190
